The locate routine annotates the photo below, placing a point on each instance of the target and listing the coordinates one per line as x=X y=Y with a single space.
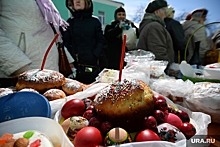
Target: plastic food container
x=48 y=126
x=138 y=56
x=23 y=104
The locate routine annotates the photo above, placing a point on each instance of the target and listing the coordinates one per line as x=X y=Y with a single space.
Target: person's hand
x=21 y=70
x=72 y=65
x=72 y=75
x=121 y=23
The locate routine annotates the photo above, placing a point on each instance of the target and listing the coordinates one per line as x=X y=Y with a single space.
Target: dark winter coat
x=177 y=34
x=155 y=38
x=113 y=35
x=84 y=36
x=85 y=41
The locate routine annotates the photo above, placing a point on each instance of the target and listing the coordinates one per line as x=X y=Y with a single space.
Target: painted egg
x=117 y=136
x=168 y=132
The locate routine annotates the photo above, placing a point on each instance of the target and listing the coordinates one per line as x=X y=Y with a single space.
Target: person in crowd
x=194 y=21
x=177 y=34
x=113 y=34
x=25 y=35
x=216 y=39
x=154 y=37
x=212 y=55
x=84 y=39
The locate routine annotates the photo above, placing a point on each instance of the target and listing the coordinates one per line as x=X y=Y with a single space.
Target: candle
x=48 y=50
x=122 y=57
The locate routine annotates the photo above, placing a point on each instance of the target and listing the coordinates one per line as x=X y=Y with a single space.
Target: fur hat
x=119 y=9
x=197 y=14
x=155 y=5
x=169 y=10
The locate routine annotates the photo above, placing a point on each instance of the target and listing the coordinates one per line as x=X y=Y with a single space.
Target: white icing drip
x=72 y=85
x=45 y=75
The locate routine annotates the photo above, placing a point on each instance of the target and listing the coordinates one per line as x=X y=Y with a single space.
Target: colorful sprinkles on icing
x=118 y=90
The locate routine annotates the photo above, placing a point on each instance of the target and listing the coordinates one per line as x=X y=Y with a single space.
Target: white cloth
x=24 y=17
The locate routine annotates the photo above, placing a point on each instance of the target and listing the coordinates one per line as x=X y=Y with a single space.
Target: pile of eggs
x=86 y=128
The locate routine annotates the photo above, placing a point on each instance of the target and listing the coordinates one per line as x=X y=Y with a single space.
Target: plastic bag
x=130 y=38
x=139 y=71
x=176 y=90
x=205 y=98
x=138 y=57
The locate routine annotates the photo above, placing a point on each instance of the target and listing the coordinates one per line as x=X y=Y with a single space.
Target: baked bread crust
x=125 y=104
x=71 y=86
x=40 y=80
x=54 y=94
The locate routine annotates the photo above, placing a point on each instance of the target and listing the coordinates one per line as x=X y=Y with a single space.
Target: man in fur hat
x=153 y=35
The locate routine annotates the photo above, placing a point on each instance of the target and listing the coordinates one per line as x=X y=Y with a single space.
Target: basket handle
x=187 y=44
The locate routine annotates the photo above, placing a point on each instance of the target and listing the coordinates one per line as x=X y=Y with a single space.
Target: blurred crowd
x=25 y=33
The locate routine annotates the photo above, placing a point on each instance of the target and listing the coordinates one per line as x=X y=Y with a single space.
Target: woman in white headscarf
x=25 y=35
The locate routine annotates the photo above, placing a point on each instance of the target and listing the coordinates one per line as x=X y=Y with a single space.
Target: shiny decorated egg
x=76 y=124
x=168 y=132
x=117 y=136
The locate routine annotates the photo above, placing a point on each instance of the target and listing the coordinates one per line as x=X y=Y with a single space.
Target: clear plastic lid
x=139 y=56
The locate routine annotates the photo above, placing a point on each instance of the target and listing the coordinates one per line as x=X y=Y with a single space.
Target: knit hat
x=169 y=10
x=155 y=5
x=197 y=14
x=120 y=9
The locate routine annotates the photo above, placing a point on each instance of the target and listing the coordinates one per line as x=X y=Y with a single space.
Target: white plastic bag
x=130 y=38
x=205 y=98
x=177 y=90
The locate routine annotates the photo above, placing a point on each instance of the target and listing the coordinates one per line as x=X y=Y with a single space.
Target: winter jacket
x=155 y=38
x=113 y=35
x=189 y=27
x=178 y=37
x=84 y=37
x=21 y=21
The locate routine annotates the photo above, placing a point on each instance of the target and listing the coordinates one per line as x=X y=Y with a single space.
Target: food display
x=126 y=110
x=40 y=80
x=115 y=108
x=54 y=94
x=29 y=138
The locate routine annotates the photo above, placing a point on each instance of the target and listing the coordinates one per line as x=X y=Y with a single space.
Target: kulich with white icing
x=54 y=94
x=40 y=80
x=71 y=86
x=125 y=103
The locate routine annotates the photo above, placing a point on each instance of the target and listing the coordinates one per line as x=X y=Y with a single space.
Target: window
x=101 y=16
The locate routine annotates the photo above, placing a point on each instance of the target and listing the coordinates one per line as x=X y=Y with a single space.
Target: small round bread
x=125 y=104
x=40 y=80
x=71 y=86
x=29 y=89
x=5 y=91
x=54 y=94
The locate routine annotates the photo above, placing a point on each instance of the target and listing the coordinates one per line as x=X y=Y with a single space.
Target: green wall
x=109 y=10
x=61 y=7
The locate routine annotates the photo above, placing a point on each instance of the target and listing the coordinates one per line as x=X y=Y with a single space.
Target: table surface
x=214 y=129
